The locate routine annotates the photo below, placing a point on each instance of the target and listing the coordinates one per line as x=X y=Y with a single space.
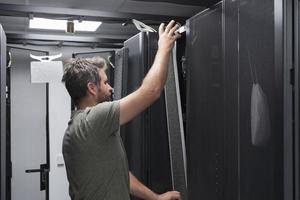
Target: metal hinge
x=6 y=92
x=184 y=66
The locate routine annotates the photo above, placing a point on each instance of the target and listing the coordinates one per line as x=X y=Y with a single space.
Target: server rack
x=145 y=137
x=296 y=97
x=243 y=101
x=205 y=105
x=3 y=155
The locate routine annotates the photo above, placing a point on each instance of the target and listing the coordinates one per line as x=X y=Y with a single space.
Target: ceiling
x=15 y=14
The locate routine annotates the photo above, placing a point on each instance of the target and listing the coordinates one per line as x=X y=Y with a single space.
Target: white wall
x=59 y=114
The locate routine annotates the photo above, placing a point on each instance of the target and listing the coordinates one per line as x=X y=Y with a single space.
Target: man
x=94 y=155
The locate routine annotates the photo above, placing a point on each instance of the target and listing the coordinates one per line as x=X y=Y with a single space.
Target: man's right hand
x=153 y=83
x=167 y=36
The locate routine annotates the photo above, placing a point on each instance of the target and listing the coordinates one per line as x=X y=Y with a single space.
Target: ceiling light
x=52 y=24
x=86 y=25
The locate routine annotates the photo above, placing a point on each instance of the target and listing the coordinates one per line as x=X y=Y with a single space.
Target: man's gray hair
x=78 y=72
x=98 y=61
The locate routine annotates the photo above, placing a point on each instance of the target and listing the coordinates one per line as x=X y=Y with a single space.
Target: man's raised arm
x=154 y=81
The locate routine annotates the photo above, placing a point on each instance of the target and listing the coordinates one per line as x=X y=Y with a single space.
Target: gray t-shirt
x=96 y=162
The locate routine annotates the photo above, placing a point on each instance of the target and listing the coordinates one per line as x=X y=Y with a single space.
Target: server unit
x=205 y=105
x=146 y=136
x=240 y=135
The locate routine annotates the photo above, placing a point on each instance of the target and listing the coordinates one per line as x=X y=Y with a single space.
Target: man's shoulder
x=103 y=112
x=106 y=106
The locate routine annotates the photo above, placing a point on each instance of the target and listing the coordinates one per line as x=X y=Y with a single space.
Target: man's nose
x=111 y=89
x=112 y=95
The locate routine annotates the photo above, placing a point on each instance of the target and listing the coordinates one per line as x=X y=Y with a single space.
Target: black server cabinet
x=3 y=155
x=261 y=103
x=237 y=96
x=296 y=95
x=146 y=136
x=205 y=105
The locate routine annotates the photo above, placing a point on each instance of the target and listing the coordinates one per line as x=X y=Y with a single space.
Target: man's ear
x=91 y=88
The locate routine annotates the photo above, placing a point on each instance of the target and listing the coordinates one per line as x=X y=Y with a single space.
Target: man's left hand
x=172 y=195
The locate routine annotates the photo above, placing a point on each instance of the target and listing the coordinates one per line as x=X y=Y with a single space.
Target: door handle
x=44 y=174
x=33 y=170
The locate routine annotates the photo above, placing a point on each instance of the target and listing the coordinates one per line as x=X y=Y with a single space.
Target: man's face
x=105 y=90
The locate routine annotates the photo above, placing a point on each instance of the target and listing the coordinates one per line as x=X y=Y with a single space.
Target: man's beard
x=106 y=98
x=109 y=97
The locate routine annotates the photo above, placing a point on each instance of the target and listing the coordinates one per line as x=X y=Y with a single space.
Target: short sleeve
x=104 y=117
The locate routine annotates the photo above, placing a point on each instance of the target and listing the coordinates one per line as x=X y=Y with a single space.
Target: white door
x=28 y=129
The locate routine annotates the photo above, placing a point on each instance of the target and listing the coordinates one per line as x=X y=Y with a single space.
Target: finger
x=175 y=195
x=169 y=26
x=175 y=192
x=179 y=197
x=161 y=28
x=177 y=35
x=172 y=31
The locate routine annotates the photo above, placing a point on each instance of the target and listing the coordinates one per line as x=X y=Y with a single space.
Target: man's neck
x=86 y=103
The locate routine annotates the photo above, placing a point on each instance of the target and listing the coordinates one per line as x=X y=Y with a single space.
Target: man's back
x=94 y=154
